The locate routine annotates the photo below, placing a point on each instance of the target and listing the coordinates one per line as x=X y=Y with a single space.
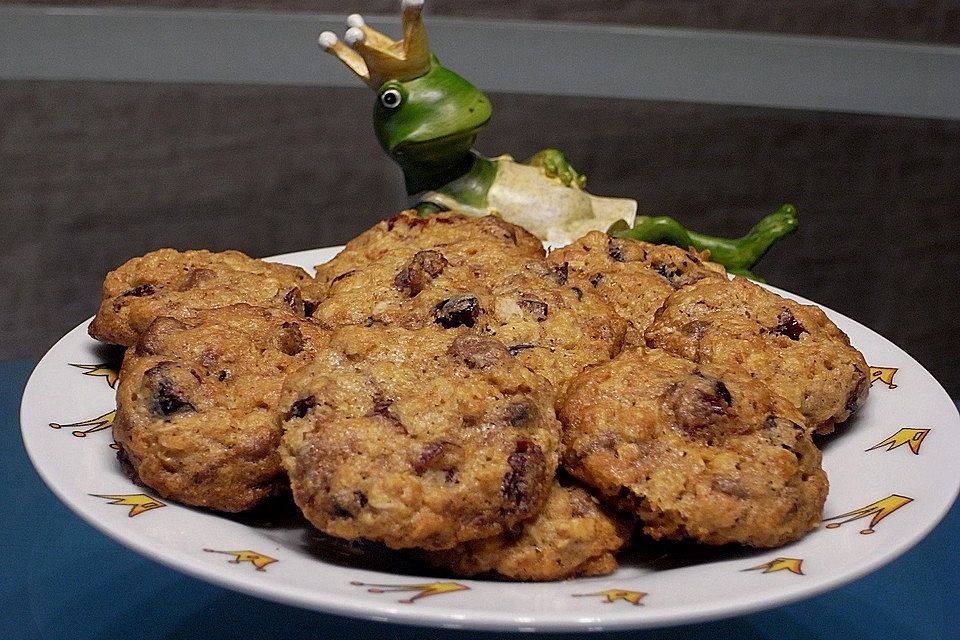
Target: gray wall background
x=94 y=173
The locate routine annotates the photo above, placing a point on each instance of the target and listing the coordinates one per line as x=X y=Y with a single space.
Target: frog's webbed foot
x=425 y=209
x=555 y=164
x=737 y=255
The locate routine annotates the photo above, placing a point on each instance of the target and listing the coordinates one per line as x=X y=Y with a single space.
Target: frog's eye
x=391 y=98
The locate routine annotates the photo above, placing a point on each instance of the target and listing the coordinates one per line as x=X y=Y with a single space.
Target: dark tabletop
x=61 y=579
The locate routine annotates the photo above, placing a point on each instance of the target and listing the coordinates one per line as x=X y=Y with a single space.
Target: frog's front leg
x=555 y=164
x=738 y=255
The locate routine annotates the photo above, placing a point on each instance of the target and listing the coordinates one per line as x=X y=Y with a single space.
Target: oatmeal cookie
x=174 y=283
x=454 y=234
x=197 y=418
x=555 y=329
x=633 y=276
x=423 y=438
x=694 y=451
x=552 y=327
x=793 y=348
x=572 y=536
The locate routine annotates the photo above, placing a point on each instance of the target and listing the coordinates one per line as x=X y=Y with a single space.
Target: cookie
x=694 y=451
x=418 y=439
x=634 y=277
x=197 y=418
x=454 y=234
x=552 y=327
x=793 y=348
x=172 y=283
x=572 y=536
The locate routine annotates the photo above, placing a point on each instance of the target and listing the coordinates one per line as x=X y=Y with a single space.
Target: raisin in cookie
x=197 y=418
x=172 y=283
x=694 y=451
x=633 y=276
x=423 y=438
x=793 y=348
x=572 y=536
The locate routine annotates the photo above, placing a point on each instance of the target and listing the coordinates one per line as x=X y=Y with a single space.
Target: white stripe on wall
x=206 y=46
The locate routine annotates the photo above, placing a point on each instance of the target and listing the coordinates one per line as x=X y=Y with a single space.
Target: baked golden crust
x=572 y=536
x=793 y=348
x=634 y=277
x=171 y=283
x=455 y=276
x=197 y=400
x=454 y=234
x=418 y=438
x=694 y=451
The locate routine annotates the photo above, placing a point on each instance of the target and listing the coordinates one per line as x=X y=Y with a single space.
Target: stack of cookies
x=444 y=386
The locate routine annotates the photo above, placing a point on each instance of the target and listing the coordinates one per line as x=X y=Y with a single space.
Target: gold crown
x=375 y=57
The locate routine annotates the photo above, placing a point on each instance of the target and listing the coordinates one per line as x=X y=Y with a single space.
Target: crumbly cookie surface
x=454 y=234
x=694 y=451
x=197 y=404
x=634 y=277
x=172 y=283
x=572 y=536
x=501 y=290
x=418 y=438
x=793 y=348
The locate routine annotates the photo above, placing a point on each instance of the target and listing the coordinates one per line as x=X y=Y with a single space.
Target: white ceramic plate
x=893 y=475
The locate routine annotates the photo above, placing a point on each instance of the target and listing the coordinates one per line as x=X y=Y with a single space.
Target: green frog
x=426 y=117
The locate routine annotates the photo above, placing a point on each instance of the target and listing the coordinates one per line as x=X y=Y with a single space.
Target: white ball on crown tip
x=355 y=20
x=327 y=39
x=411 y=4
x=353 y=36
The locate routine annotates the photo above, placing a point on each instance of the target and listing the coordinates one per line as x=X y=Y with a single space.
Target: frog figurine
x=427 y=118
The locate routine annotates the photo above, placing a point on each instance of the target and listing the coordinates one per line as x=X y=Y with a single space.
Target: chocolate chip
x=428 y=456
x=294 y=301
x=578 y=292
x=519 y=413
x=169 y=399
x=562 y=272
x=477 y=352
x=141 y=291
x=698 y=402
x=615 y=250
x=223 y=375
x=788 y=325
x=595 y=280
x=289 y=338
x=340 y=512
x=522 y=485
x=723 y=393
x=422 y=268
x=458 y=311
x=301 y=407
